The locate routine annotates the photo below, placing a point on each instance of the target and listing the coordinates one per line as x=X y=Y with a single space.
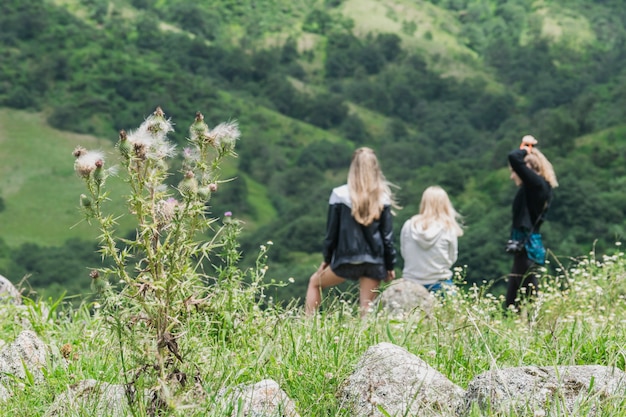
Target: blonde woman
x=534 y=176
x=428 y=241
x=359 y=235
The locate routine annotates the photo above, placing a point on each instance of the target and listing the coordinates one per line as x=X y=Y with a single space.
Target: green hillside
x=38 y=183
x=441 y=89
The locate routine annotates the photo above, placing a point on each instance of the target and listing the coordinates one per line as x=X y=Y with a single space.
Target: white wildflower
x=225 y=134
x=86 y=161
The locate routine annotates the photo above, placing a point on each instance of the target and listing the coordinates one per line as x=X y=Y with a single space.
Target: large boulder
x=389 y=380
x=532 y=391
x=404 y=297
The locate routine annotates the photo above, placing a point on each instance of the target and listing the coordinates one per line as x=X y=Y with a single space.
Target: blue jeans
x=439 y=286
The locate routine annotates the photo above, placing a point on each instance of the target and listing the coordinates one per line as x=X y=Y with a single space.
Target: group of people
x=359 y=242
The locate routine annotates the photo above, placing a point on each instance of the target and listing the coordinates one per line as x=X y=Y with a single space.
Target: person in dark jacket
x=359 y=236
x=535 y=178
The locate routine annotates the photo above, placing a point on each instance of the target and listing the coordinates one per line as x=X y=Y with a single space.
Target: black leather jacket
x=532 y=197
x=350 y=242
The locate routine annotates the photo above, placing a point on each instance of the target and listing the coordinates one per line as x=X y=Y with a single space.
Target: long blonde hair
x=436 y=207
x=540 y=164
x=369 y=190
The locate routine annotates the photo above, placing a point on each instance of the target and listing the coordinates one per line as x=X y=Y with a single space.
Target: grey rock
x=404 y=297
x=8 y=292
x=390 y=378
x=263 y=399
x=27 y=352
x=22 y=359
x=90 y=398
x=532 y=391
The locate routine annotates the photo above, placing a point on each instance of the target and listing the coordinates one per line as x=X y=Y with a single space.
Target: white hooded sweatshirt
x=428 y=254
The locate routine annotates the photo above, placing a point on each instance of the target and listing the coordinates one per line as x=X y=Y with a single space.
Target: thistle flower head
x=123 y=144
x=191 y=155
x=199 y=131
x=86 y=161
x=157 y=125
x=98 y=285
x=79 y=151
x=99 y=173
x=189 y=184
x=165 y=211
x=226 y=134
x=150 y=140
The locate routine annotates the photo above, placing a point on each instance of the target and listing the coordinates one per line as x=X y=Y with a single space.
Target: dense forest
x=442 y=90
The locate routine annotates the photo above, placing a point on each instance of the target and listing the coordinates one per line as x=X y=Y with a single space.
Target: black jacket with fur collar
x=350 y=242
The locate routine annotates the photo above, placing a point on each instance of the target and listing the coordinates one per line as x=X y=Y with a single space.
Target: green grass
x=577 y=320
x=257 y=196
x=37 y=181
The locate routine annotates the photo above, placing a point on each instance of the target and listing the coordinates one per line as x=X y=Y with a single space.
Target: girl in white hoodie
x=428 y=241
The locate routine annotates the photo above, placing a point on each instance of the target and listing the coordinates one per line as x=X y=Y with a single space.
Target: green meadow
x=38 y=183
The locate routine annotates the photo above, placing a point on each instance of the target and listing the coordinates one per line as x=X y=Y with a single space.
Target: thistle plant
x=161 y=277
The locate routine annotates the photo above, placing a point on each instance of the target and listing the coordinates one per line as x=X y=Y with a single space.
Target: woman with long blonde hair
x=359 y=235
x=428 y=241
x=534 y=176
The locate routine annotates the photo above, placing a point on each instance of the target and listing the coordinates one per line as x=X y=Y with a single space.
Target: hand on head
x=528 y=142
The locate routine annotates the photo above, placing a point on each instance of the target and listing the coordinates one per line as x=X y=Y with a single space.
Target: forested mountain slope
x=441 y=89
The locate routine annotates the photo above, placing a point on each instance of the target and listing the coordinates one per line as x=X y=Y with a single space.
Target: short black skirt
x=365 y=270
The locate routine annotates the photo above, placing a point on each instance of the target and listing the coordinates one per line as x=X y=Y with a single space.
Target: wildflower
x=212 y=187
x=204 y=193
x=98 y=285
x=123 y=145
x=228 y=214
x=191 y=157
x=157 y=125
x=79 y=151
x=85 y=162
x=189 y=184
x=225 y=135
x=99 y=173
x=165 y=211
x=199 y=131
x=149 y=140
x=147 y=146
x=291 y=280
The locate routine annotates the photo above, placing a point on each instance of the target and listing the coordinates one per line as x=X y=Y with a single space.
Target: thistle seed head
x=85 y=163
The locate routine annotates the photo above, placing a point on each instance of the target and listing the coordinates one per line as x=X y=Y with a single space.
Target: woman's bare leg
x=322 y=278
x=367 y=293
